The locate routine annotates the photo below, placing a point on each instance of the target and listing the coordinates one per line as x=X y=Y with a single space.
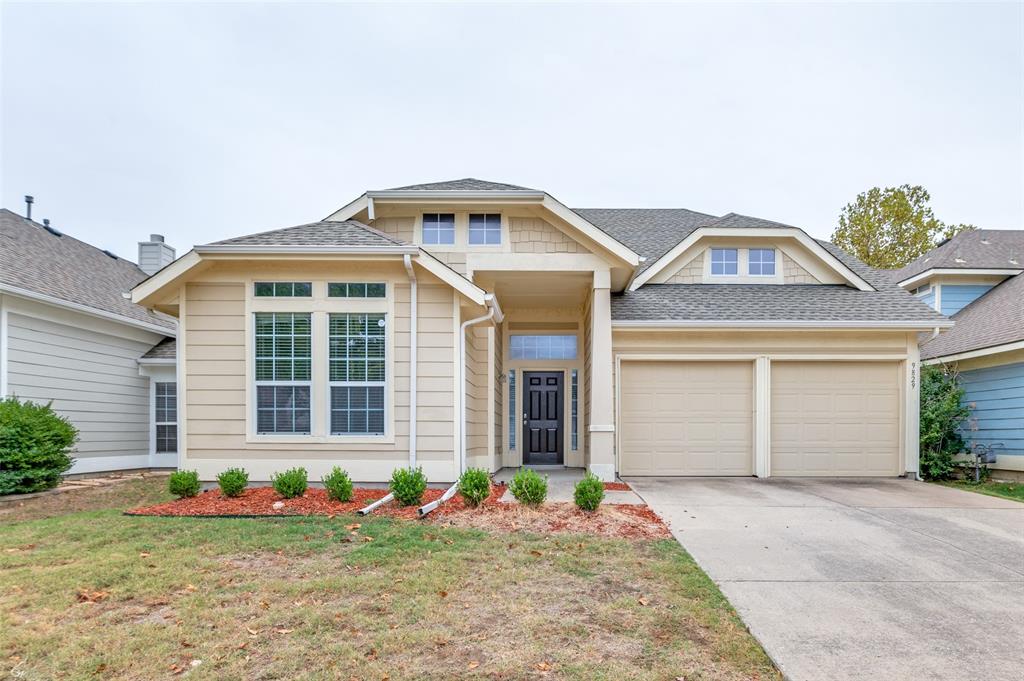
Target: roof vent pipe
x=29 y=200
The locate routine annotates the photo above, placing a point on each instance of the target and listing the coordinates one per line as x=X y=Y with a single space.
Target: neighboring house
x=70 y=334
x=478 y=319
x=976 y=278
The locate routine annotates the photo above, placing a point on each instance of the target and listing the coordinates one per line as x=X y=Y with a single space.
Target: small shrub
x=184 y=484
x=589 y=492
x=475 y=486
x=338 y=485
x=528 y=487
x=942 y=414
x=408 y=485
x=35 y=443
x=290 y=484
x=233 y=482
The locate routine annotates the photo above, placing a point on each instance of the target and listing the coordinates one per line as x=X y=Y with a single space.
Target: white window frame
x=423 y=230
x=256 y=282
x=257 y=383
x=384 y=384
x=158 y=423
x=762 y=263
x=487 y=230
x=711 y=258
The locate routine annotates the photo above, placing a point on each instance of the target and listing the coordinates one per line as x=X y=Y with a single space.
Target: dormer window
x=761 y=262
x=484 y=229
x=439 y=229
x=724 y=261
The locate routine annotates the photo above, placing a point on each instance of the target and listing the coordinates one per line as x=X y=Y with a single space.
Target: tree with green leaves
x=888 y=228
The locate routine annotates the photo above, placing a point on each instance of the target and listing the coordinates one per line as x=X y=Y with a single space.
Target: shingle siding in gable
x=996 y=398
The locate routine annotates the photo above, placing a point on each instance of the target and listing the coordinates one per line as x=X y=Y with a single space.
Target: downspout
x=493 y=312
x=413 y=323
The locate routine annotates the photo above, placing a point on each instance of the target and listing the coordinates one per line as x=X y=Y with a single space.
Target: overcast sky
x=208 y=121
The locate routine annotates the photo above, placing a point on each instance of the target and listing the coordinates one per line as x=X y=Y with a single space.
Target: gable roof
x=61 y=268
x=976 y=249
x=651 y=232
x=465 y=184
x=347 y=233
x=164 y=350
x=996 y=318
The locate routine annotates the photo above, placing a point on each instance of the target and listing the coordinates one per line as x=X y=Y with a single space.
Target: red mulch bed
x=616 y=487
x=610 y=520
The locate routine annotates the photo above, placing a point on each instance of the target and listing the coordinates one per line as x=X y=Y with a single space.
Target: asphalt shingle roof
x=347 y=233
x=465 y=184
x=65 y=268
x=650 y=232
x=996 y=318
x=165 y=349
x=977 y=249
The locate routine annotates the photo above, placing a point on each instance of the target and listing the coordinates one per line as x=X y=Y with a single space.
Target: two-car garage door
x=696 y=418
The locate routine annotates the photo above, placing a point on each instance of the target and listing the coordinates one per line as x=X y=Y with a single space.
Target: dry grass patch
x=321 y=599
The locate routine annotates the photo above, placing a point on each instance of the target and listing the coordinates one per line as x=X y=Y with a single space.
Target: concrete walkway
x=860 y=579
x=562 y=483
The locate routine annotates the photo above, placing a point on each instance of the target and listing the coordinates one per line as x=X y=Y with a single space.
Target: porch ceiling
x=536 y=289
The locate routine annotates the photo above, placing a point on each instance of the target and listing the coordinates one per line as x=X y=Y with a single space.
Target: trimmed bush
x=589 y=492
x=184 y=484
x=528 y=487
x=233 y=482
x=408 y=485
x=942 y=414
x=35 y=446
x=475 y=486
x=290 y=484
x=338 y=485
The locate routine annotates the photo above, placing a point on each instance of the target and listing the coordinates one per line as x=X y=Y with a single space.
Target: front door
x=543 y=417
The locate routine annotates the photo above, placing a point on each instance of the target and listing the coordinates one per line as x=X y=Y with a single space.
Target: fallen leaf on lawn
x=372 y=654
x=442 y=594
x=543 y=666
x=367 y=538
x=284 y=631
x=144 y=554
x=473 y=665
x=535 y=552
x=86 y=596
x=353 y=526
x=190 y=587
x=252 y=632
x=265 y=605
x=642 y=601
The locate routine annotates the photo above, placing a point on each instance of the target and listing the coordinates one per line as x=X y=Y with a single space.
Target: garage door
x=835 y=418
x=686 y=418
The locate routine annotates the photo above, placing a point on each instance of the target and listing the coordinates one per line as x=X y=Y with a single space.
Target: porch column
x=602 y=414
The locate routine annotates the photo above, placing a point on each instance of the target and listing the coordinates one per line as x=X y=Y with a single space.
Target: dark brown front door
x=542 y=417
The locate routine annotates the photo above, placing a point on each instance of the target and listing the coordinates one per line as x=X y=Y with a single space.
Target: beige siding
x=500 y=410
x=477 y=397
x=453 y=259
x=534 y=235
x=218 y=388
x=793 y=273
x=89 y=369
x=400 y=228
x=690 y=273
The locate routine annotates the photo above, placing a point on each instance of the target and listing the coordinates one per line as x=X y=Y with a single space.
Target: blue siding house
x=995 y=396
x=956 y=297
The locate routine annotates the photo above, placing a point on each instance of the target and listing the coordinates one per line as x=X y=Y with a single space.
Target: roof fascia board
x=597 y=235
x=791 y=232
x=157 y=361
x=85 y=309
x=459 y=194
x=176 y=269
x=305 y=249
x=451 y=277
x=775 y=324
x=354 y=207
x=974 y=271
x=971 y=354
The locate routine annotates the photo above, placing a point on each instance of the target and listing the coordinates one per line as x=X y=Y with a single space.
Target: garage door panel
x=835 y=418
x=686 y=418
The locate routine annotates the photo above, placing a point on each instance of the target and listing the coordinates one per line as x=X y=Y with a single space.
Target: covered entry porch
x=549 y=373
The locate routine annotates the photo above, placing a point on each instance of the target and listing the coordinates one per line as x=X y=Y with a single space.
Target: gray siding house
x=68 y=334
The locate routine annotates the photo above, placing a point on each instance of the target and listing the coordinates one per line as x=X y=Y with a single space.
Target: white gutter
x=313 y=249
x=85 y=309
x=456 y=194
x=493 y=312
x=413 y=324
x=774 y=324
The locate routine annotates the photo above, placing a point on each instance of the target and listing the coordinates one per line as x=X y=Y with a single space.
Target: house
x=976 y=278
x=473 y=323
x=69 y=334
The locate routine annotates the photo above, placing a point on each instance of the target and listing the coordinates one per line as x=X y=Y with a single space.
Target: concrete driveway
x=860 y=579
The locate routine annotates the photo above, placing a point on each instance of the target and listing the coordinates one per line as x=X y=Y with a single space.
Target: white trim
x=3 y=349
x=449 y=276
x=165 y=276
x=312 y=250
x=775 y=324
x=974 y=271
x=599 y=236
x=762 y=417
x=100 y=464
x=596 y=428
x=353 y=207
x=400 y=194
x=971 y=354
x=85 y=309
x=810 y=244
x=157 y=361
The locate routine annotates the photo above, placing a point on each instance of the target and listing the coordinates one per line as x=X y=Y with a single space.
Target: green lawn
x=1006 y=490
x=95 y=594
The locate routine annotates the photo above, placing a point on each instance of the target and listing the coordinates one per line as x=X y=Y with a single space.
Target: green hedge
x=35 y=446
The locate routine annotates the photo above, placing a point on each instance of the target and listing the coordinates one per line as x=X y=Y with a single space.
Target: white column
x=762 y=417
x=602 y=415
x=912 y=390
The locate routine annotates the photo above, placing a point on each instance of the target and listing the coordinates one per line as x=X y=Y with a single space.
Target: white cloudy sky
x=208 y=121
